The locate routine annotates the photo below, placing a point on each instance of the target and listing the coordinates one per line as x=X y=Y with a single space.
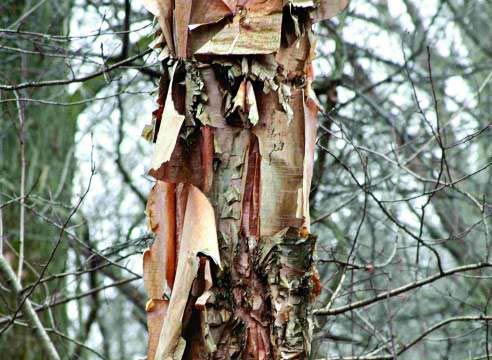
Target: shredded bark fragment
x=199 y=236
x=166 y=140
x=156 y=312
x=159 y=261
x=286 y=259
x=251 y=200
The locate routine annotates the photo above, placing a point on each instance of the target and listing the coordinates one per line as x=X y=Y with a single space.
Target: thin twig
x=105 y=70
x=22 y=141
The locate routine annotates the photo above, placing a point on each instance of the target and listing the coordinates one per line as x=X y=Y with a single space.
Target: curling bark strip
x=230 y=273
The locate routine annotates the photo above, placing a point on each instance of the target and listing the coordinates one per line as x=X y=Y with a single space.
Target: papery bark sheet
x=199 y=235
x=159 y=261
x=230 y=272
x=166 y=140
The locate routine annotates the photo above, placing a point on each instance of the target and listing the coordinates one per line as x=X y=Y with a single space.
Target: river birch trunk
x=230 y=273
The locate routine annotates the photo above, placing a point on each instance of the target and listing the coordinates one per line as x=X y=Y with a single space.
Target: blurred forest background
x=402 y=194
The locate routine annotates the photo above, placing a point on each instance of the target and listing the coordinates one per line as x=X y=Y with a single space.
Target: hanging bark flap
x=182 y=15
x=156 y=312
x=208 y=11
x=169 y=129
x=159 y=262
x=251 y=104
x=310 y=122
x=238 y=103
x=207 y=278
x=163 y=10
x=199 y=236
x=151 y=130
x=199 y=230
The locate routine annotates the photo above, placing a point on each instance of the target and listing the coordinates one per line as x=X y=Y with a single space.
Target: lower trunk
x=258 y=306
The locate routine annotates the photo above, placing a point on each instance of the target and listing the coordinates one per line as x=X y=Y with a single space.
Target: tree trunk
x=230 y=272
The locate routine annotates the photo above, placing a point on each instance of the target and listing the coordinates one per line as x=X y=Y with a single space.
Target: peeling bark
x=235 y=133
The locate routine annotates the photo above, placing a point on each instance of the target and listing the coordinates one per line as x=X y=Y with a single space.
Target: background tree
x=32 y=179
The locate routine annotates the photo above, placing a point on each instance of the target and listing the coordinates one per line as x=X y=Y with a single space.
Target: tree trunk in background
x=49 y=139
x=230 y=272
